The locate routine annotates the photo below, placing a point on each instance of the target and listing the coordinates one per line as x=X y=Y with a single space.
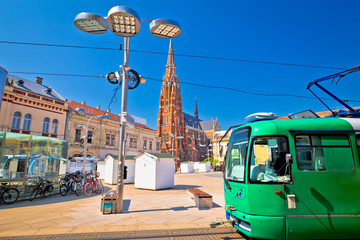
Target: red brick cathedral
x=182 y=135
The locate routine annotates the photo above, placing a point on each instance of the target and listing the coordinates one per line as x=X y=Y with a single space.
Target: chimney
x=38 y=80
x=108 y=110
x=83 y=103
x=97 y=107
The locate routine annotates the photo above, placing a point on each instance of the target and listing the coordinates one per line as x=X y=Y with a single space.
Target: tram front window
x=268 y=162
x=236 y=155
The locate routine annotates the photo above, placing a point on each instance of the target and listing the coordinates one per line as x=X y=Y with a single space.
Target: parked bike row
x=71 y=183
x=76 y=182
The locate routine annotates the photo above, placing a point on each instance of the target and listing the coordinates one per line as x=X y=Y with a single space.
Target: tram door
x=323 y=171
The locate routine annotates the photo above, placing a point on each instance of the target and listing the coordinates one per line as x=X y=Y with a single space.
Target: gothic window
x=16 y=120
x=189 y=141
x=166 y=95
x=54 y=126
x=27 y=122
x=46 y=124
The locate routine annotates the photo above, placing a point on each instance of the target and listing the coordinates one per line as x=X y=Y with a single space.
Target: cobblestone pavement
x=178 y=234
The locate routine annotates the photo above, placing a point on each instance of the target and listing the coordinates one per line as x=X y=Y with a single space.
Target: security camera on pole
x=125 y=22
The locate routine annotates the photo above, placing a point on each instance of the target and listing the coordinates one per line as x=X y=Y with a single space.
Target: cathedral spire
x=171 y=60
x=196 y=112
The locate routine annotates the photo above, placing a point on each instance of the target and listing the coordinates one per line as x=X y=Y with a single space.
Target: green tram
x=294 y=179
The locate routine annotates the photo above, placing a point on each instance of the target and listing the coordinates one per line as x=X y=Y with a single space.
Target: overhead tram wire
x=180 y=55
x=186 y=83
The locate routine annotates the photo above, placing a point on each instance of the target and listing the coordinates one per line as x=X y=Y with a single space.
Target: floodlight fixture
x=90 y=23
x=165 y=28
x=142 y=79
x=123 y=21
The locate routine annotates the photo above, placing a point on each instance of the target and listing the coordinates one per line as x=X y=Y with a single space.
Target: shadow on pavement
x=184 y=187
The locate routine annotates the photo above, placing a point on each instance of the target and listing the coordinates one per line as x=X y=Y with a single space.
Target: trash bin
x=108 y=203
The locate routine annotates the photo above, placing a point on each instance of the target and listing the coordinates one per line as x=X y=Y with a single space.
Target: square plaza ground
x=143 y=210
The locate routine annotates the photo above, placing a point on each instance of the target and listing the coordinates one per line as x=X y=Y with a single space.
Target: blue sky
x=319 y=33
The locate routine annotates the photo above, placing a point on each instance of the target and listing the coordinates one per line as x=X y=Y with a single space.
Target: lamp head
x=165 y=28
x=123 y=21
x=90 y=23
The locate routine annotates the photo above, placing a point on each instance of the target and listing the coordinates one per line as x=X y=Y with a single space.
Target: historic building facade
x=103 y=134
x=32 y=108
x=182 y=135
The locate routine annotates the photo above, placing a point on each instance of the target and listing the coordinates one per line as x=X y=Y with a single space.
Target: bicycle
x=93 y=184
x=44 y=188
x=72 y=184
x=8 y=194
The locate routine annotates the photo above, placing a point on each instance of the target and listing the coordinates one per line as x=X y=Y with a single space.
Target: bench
x=201 y=198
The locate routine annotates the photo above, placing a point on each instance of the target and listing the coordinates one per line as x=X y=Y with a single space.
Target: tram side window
x=268 y=160
x=323 y=153
x=358 y=144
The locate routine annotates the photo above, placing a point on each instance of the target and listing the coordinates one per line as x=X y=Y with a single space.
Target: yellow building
x=103 y=134
x=32 y=108
x=217 y=145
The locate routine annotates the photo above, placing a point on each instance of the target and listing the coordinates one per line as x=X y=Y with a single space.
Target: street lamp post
x=86 y=136
x=125 y=22
x=172 y=142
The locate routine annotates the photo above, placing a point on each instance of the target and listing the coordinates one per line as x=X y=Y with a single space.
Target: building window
x=77 y=135
x=46 y=124
x=150 y=145
x=157 y=146
x=16 y=120
x=54 y=126
x=90 y=136
x=133 y=142
x=27 y=122
x=107 y=142
x=112 y=140
x=145 y=144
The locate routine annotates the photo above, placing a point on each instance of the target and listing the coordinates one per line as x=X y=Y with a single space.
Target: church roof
x=33 y=87
x=207 y=125
x=191 y=121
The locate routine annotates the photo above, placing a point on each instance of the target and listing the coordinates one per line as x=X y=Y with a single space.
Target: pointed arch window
x=46 y=124
x=54 y=127
x=27 y=122
x=16 y=120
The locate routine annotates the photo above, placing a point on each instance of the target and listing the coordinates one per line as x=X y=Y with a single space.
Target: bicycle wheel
x=88 y=188
x=77 y=189
x=99 y=187
x=10 y=195
x=63 y=190
x=34 y=194
x=48 y=191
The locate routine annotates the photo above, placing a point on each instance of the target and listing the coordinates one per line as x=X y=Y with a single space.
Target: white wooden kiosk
x=100 y=168
x=111 y=168
x=154 y=171
x=187 y=167
x=204 y=167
